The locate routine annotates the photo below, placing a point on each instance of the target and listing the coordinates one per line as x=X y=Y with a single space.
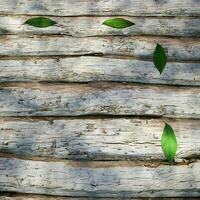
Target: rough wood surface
x=98 y=139
x=6 y=196
x=102 y=7
x=92 y=68
x=80 y=49
x=143 y=47
x=99 y=98
x=92 y=26
x=99 y=179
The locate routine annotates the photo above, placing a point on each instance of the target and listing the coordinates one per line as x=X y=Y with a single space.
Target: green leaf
x=159 y=58
x=40 y=22
x=118 y=23
x=169 y=143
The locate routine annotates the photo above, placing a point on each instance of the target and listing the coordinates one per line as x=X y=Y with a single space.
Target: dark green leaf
x=40 y=22
x=118 y=23
x=169 y=143
x=159 y=58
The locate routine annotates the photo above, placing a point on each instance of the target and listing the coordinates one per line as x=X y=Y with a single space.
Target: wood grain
x=67 y=179
x=99 y=139
x=91 y=68
x=102 y=7
x=143 y=47
x=95 y=99
x=92 y=26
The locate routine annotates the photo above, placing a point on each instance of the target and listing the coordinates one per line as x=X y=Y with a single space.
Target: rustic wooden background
x=82 y=107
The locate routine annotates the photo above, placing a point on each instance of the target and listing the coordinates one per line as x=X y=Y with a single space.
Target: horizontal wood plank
x=99 y=98
x=99 y=139
x=99 y=180
x=6 y=196
x=143 y=47
x=99 y=7
x=91 y=68
x=92 y=26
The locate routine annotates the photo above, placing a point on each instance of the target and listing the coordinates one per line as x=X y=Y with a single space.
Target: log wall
x=82 y=106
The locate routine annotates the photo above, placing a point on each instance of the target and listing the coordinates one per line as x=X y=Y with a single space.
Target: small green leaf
x=118 y=23
x=40 y=22
x=159 y=58
x=169 y=143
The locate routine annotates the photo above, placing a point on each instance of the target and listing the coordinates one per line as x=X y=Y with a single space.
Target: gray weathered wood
x=102 y=7
x=99 y=179
x=92 y=26
x=109 y=99
x=87 y=69
x=6 y=196
x=143 y=47
x=98 y=139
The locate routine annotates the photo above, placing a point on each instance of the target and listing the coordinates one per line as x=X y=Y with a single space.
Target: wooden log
x=92 y=26
x=98 y=139
x=99 y=179
x=99 y=98
x=6 y=196
x=91 y=68
x=99 y=7
x=143 y=47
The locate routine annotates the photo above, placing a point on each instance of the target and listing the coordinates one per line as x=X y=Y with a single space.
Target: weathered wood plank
x=99 y=179
x=143 y=47
x=89 y=69
x=99 y=139
x=102 y=7
x=92 y=26
x=5 y=196
x=91 y=99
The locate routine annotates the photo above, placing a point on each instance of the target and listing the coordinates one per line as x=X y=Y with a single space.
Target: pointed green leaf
x=169 y=143
x=118 y=23
x=159 y=58
x=40 y=22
